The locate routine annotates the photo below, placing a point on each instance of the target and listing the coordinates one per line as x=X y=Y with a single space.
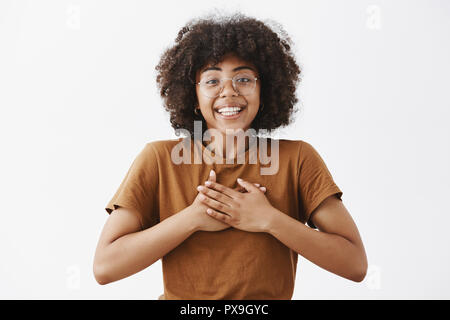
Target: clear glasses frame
x=222 y=80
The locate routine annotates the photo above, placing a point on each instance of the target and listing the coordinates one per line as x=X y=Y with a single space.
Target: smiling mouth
x=229 y=113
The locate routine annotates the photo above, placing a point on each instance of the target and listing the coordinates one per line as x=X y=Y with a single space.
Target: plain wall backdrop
x=78 y=101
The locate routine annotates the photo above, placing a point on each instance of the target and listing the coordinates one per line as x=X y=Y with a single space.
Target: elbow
x=359 y=273
x=359 y=266
x=359 y=277
x=100 y=274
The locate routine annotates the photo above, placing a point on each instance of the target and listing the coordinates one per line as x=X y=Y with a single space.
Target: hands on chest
x=218 y=207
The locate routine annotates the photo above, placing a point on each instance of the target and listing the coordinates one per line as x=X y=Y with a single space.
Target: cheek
x=201 y=100
x=256 y=101
x=205 y=105
x=257 y=95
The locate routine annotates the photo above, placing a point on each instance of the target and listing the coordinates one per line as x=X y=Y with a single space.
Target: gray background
x=78 y=101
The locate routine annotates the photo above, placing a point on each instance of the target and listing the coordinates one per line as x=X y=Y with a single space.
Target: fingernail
x=239 y=179
x=257 y=184
x=211 y=173
x=208 y=183
x=200 y=188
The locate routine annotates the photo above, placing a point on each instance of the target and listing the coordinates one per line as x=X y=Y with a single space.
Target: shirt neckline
x=210 y=155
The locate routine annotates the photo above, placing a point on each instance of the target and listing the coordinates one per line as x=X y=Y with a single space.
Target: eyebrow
x=235 y=69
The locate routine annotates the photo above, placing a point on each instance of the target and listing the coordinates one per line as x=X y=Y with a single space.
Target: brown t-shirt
x=227 y=264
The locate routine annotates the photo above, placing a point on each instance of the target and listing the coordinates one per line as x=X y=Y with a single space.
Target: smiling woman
x=223 y=229
x=228 y=97
x=220 y=48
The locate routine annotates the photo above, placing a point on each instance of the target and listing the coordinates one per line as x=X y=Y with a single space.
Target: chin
x=236 y=126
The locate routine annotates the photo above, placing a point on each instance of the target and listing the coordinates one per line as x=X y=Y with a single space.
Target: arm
x=124 y=250
x=337 y=247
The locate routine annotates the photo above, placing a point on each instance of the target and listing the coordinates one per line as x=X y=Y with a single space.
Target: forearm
x=136 y=251
x=329 y=251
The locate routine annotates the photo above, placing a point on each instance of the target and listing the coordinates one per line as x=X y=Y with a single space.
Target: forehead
x=229 y=63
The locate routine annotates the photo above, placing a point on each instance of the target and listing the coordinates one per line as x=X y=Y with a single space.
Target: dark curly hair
x=206 y=40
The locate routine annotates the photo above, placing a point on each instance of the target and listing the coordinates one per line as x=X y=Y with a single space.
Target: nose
x=228 y=89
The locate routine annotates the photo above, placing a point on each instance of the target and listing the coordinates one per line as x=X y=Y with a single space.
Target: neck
x=238 y=144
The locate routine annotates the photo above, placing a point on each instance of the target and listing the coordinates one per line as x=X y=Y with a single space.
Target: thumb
x=212 y=176
x=250 y=187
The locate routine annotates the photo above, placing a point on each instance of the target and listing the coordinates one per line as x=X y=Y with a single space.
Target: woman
x=220 y=237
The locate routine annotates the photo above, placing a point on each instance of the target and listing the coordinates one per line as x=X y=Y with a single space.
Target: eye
x=212 y=82
x=243 y=79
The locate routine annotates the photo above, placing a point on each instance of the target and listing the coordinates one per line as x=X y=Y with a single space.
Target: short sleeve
x=315 y=182
x=139 y=188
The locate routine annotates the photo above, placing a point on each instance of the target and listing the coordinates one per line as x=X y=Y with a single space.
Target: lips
x=230 y=105
x=229 y=111
x=226 y=116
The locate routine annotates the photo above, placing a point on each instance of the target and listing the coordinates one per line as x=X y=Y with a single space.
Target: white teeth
x=229 y=113
x=233 y=110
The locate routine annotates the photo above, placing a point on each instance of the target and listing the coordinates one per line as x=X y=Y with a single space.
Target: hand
x=198 y=208
x=250 y=211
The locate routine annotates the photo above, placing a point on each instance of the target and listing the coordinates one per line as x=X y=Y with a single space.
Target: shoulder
x=154 y=152
x=289 y=142
x=294 y=147
x=299 y=151
x=161 y=147
x=302 y=147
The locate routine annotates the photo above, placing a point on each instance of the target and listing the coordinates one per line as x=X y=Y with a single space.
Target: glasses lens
x=211 y=87
x=244 y=84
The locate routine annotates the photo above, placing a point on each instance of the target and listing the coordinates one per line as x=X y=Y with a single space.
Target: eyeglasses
x=244 y=84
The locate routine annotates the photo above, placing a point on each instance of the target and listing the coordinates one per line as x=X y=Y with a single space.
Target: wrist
x=189 y=219
x=273 y=216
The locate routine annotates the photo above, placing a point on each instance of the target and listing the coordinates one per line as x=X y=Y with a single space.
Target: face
x=212 y=108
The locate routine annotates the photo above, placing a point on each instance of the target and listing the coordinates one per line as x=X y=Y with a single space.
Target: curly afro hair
x=205 y=41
